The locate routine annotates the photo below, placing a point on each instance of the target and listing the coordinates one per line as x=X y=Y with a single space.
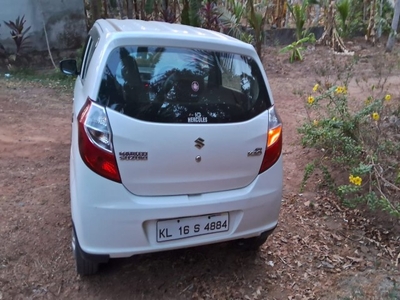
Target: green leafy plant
x=300 y=16
x=349 y=17
x=209 y=16
x=230 y=18
x=18 y=33
x=343 y=8
x=296 y=48
x=308 y=171
x=384 y=17
x=190 y=13
x=359 y=141
x=256 y=19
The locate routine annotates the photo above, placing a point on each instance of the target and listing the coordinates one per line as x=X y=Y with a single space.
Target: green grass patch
x=44 y=78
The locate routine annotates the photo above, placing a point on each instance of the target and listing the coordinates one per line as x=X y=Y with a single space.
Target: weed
x=309 y=170
x=394 y=293
x=359 y=142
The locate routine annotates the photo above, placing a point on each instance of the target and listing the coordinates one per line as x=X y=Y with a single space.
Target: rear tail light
x=274 y=141
x=95 y=145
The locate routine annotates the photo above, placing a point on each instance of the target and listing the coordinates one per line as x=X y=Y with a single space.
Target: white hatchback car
x=175 y=142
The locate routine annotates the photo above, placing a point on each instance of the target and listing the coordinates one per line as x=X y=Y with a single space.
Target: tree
x=95 y=9
x=395 y=23
x=257 y=20
x=330 y=36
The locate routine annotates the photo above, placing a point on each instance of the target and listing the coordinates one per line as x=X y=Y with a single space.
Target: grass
x=45 y=78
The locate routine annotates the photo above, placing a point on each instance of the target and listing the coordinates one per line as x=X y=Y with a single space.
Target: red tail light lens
x=94 y=137
x=274 y=141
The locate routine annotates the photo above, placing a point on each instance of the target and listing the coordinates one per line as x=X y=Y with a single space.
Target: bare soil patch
x=320 y=250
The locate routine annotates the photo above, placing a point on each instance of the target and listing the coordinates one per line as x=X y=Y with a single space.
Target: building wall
x=65 y=23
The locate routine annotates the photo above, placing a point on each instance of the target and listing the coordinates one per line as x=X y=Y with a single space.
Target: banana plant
x=296 y=48
x=300 y=16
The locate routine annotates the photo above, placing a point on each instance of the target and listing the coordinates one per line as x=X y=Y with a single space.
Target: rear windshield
x=178 y=85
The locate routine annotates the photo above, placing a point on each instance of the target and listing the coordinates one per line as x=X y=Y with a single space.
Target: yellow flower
x=341 y=90
x=375 y=116
x=357 y=180
x=316 y=87
x=315 y=122
x=310 y=100
x=351 y=178
x=388 y=97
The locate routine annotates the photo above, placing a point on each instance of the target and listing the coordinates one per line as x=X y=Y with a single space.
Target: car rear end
x=176 y=146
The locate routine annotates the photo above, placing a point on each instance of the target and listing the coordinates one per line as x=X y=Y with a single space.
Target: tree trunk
x=129 y=9
x=95 y=9
x=330 y=36
x=136 y=9
x=370 y=36
x=395 y=23
x=120 y=8
x=105 y=9
x=289 y=2
x=317 y=8
x=379 y=29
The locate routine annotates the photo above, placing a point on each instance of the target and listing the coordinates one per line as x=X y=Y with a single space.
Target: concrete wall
x=65 y=22
x=286 y=36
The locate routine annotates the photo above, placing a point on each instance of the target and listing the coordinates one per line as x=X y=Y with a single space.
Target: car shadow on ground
x=217 y=270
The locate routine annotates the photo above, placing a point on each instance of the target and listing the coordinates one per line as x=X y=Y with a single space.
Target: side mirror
x=69 y=67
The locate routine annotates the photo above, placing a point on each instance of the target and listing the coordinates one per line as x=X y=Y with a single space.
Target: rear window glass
x=177 y=85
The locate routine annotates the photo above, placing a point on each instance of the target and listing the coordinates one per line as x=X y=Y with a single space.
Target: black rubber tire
x=84 y=267
x=254 y=243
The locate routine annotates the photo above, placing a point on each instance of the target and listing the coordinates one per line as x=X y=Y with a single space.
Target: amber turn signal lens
x=273 y=135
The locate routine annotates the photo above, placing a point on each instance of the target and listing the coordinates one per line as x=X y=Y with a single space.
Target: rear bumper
x=111 y=221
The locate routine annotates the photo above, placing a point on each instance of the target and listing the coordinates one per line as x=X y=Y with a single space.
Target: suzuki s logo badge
x=199 y=143
x=255 y=152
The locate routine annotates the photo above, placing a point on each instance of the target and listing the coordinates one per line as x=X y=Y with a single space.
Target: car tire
x=84 y=266
x=254 y=243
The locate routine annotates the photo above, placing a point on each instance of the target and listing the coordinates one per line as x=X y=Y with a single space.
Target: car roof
x=164 y=30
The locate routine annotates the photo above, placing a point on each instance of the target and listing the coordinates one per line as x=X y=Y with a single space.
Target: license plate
x=174 y=229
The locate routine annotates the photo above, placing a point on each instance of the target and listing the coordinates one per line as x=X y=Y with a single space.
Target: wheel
x=83 y=266
x=254 y=243
x=168 y=83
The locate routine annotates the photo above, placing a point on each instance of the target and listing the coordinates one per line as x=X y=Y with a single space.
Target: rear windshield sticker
x=197 y=118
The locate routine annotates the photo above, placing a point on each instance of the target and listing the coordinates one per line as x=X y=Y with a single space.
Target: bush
x=359 y=142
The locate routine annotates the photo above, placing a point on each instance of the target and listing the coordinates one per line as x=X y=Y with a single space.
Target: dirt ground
x=320 y=250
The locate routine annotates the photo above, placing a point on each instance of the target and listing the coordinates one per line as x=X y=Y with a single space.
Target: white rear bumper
x=110 y=220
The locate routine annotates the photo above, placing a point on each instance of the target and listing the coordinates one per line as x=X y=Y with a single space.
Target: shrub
x=359 y=143
x=19 y=33
x=296 y=48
